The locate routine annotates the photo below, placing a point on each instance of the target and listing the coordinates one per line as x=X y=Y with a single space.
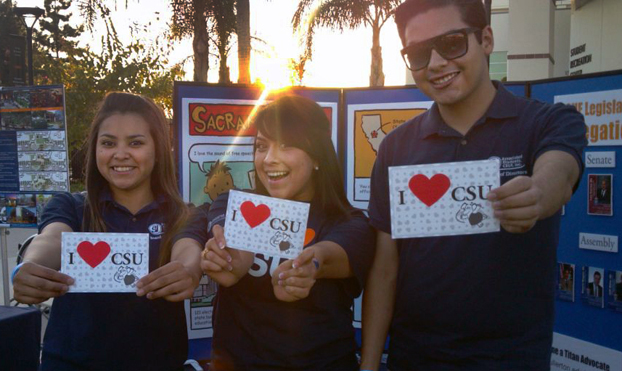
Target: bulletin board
x=33 y=151
x=589 y=321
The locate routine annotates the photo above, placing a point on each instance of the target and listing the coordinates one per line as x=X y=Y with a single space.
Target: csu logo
x=156 y=229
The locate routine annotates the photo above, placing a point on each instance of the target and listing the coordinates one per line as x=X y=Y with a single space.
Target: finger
x=159 y=283
x=160 y=272
x=522 y=199
x=214 y=258
x=171 y=289
x=305 y=256
x=280 y=270
x=180 y=296
x=46 y=273
x=515 y=185
x=219 y=236
x=208 y=266
x=297 y=292
x=529 y=213
x=212 y=246
x=517 y=227
x=40 y=288
x=297 y=282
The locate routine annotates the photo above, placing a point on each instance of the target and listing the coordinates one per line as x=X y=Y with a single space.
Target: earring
x=317 y=168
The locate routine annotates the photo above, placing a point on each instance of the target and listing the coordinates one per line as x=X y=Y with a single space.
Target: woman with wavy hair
x=130 y=188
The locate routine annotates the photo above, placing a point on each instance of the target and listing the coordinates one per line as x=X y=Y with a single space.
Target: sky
x=340 y=59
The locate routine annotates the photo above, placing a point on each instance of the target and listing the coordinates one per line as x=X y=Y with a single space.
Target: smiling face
x=450 y=82
x=125 y=153
x=286 y=172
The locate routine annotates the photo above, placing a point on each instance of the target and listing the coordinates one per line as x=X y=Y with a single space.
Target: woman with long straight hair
x=130 y=188
x=278 y=314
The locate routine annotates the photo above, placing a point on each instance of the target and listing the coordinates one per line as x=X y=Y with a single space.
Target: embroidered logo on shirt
x=156 y=230
x=511 y=166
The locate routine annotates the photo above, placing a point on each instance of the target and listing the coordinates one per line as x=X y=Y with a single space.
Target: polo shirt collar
x=106 y=198
x=502 y=106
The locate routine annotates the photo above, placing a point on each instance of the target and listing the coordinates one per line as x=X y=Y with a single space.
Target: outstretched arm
x=38 y=279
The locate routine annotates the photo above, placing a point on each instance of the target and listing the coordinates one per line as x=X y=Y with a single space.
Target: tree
x=243 y=29
x=342 y=14
x=223 y=14
x=54 y=33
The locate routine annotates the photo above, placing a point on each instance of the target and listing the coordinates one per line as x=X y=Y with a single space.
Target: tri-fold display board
x=215 y=146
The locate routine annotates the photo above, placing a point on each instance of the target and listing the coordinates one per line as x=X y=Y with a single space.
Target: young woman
x=131 y=188
x=277 y=314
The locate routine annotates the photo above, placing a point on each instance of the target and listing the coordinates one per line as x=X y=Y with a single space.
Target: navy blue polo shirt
x=483 y=301
x=113 y=331
x=253 y=330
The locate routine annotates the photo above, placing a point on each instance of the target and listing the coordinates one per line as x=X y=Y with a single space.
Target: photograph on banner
x=43 y=181
x=18 y=209
x=367 y=125
x=565 y=282
x=600 y=194
x=200 y=308
x=614 y=297
x=41 y=141
x=42 y=161
x=592 y=286
x=603 y=115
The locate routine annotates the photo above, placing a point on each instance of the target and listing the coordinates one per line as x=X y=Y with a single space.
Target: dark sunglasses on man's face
x=451 y=45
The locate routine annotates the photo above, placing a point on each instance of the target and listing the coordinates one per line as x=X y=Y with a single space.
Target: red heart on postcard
x=254 y=215
x=93 y=254
x=429 y=190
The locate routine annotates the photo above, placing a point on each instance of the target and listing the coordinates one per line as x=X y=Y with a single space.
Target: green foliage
x=88 y=76
x=53 y=33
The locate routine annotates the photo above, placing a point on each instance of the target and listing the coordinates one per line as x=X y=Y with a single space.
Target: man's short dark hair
x=597 y=273
x=472 y=12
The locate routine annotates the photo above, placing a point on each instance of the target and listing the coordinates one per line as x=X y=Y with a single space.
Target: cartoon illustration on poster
x=368 y=125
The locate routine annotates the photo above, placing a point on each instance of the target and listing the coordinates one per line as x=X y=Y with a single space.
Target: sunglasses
x=451 y=45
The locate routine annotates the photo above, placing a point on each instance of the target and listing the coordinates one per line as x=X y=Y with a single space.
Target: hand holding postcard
x=443 y=199
x=105 y=262
x=266 y=225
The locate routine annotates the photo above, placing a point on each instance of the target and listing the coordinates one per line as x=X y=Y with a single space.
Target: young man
x=484 y=301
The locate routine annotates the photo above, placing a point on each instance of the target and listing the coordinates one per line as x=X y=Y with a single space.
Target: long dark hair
x=163 y=180
x=301 y=123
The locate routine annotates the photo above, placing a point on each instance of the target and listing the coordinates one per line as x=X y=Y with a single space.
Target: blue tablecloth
x=20 y=338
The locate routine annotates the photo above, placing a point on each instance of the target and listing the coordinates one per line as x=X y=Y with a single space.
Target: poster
x=600 y=194
x=367 y=125
x=603 y=115
x=572 y=354
x=592 y=291
x=33 y=151
x=564 y=288
x=614 y=291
